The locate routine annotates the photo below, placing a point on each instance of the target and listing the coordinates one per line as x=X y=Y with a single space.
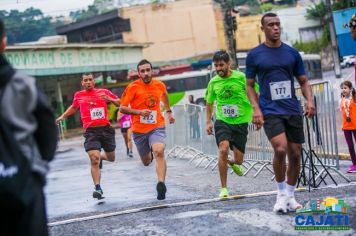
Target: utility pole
x=230 y=29
x=334 y=49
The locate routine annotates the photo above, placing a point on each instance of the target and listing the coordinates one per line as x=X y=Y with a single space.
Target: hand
x=59 y=119
x=257 y=118
x=209 y=128
x=170 y=118
x=145 y=112
x=309 y=109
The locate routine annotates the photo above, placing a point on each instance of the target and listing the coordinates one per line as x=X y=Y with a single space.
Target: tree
x=28 y=25
x=83 y=14
x=317 y=12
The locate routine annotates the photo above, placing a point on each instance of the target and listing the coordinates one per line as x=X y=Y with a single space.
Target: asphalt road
x=130 y=206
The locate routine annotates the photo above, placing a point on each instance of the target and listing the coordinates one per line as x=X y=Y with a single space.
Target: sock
x=97 y=187
x=290 y=190
x=281 y=187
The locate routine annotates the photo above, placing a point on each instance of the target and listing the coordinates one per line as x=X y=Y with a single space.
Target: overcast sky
x=48 y=7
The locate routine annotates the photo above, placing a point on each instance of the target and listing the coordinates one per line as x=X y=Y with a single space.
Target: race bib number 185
x=281 y=90
x=97 y=113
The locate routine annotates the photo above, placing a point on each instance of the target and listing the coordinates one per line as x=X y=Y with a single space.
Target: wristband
x=169 y=111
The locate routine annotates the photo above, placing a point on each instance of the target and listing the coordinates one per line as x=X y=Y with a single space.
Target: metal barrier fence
x=187 y=138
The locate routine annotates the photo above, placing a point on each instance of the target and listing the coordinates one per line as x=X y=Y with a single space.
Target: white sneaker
x=292 y=204
x=281 y=204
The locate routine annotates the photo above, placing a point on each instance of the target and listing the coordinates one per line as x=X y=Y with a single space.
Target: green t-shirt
x=232 y=103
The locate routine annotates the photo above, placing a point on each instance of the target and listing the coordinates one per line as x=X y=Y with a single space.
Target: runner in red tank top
x=98 y=134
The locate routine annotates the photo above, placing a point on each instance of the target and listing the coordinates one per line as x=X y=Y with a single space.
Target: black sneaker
x=98 y=193
x=161 y=191
x=101 y=164
x=130 y=154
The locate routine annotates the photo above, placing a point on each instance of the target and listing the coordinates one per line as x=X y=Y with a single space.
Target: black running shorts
x=292 y=125
x=235 y=134
x=97 y=138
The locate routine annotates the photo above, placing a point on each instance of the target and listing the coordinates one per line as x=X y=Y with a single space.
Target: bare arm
x=131 y=111
x=209 y=123
x=257 y=118
x=165 y=101
x=116 y=101
x=70 y=111
x=119 y=116
x=309 y=110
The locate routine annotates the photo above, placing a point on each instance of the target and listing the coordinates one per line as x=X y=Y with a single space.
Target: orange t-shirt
x=351 y=106
x=145 y=96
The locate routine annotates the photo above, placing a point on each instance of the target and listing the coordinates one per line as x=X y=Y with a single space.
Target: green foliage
x=247 y=2
x=314 y=46
x=28 y=25
x=83 y=14
x=342 y=4
x=317 y=12
x=266 y=7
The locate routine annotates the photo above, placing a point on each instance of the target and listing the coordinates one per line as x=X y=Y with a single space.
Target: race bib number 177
x=281 y=90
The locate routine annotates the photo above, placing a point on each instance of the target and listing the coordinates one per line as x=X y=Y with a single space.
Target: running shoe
x=224 y=192
x=352 y=169
x=237 y=169
x=101 y=164
x=281 y=204
x=161 y=191
x=130 y=154
x=98 y=193
x=292 y=204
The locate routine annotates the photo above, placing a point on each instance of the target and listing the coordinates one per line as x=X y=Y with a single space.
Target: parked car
x=347 y=61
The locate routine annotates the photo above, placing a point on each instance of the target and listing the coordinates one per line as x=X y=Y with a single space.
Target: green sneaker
x=237 y=169
x=224 y=193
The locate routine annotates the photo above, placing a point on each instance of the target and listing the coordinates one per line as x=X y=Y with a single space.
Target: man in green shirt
x=233 y=113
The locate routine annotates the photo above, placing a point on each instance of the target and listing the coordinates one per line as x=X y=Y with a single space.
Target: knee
x=280 y=151
x=158 y=152
x=146 y=163
x=224 y=148
x=95 y=160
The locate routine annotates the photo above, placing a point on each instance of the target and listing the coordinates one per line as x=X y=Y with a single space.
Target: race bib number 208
x=229 y=110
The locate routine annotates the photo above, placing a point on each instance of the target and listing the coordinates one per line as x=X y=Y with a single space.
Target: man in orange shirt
x=141 y=99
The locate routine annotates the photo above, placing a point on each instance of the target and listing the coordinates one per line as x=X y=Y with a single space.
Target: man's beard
x=147 y=79
x=222 y=73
